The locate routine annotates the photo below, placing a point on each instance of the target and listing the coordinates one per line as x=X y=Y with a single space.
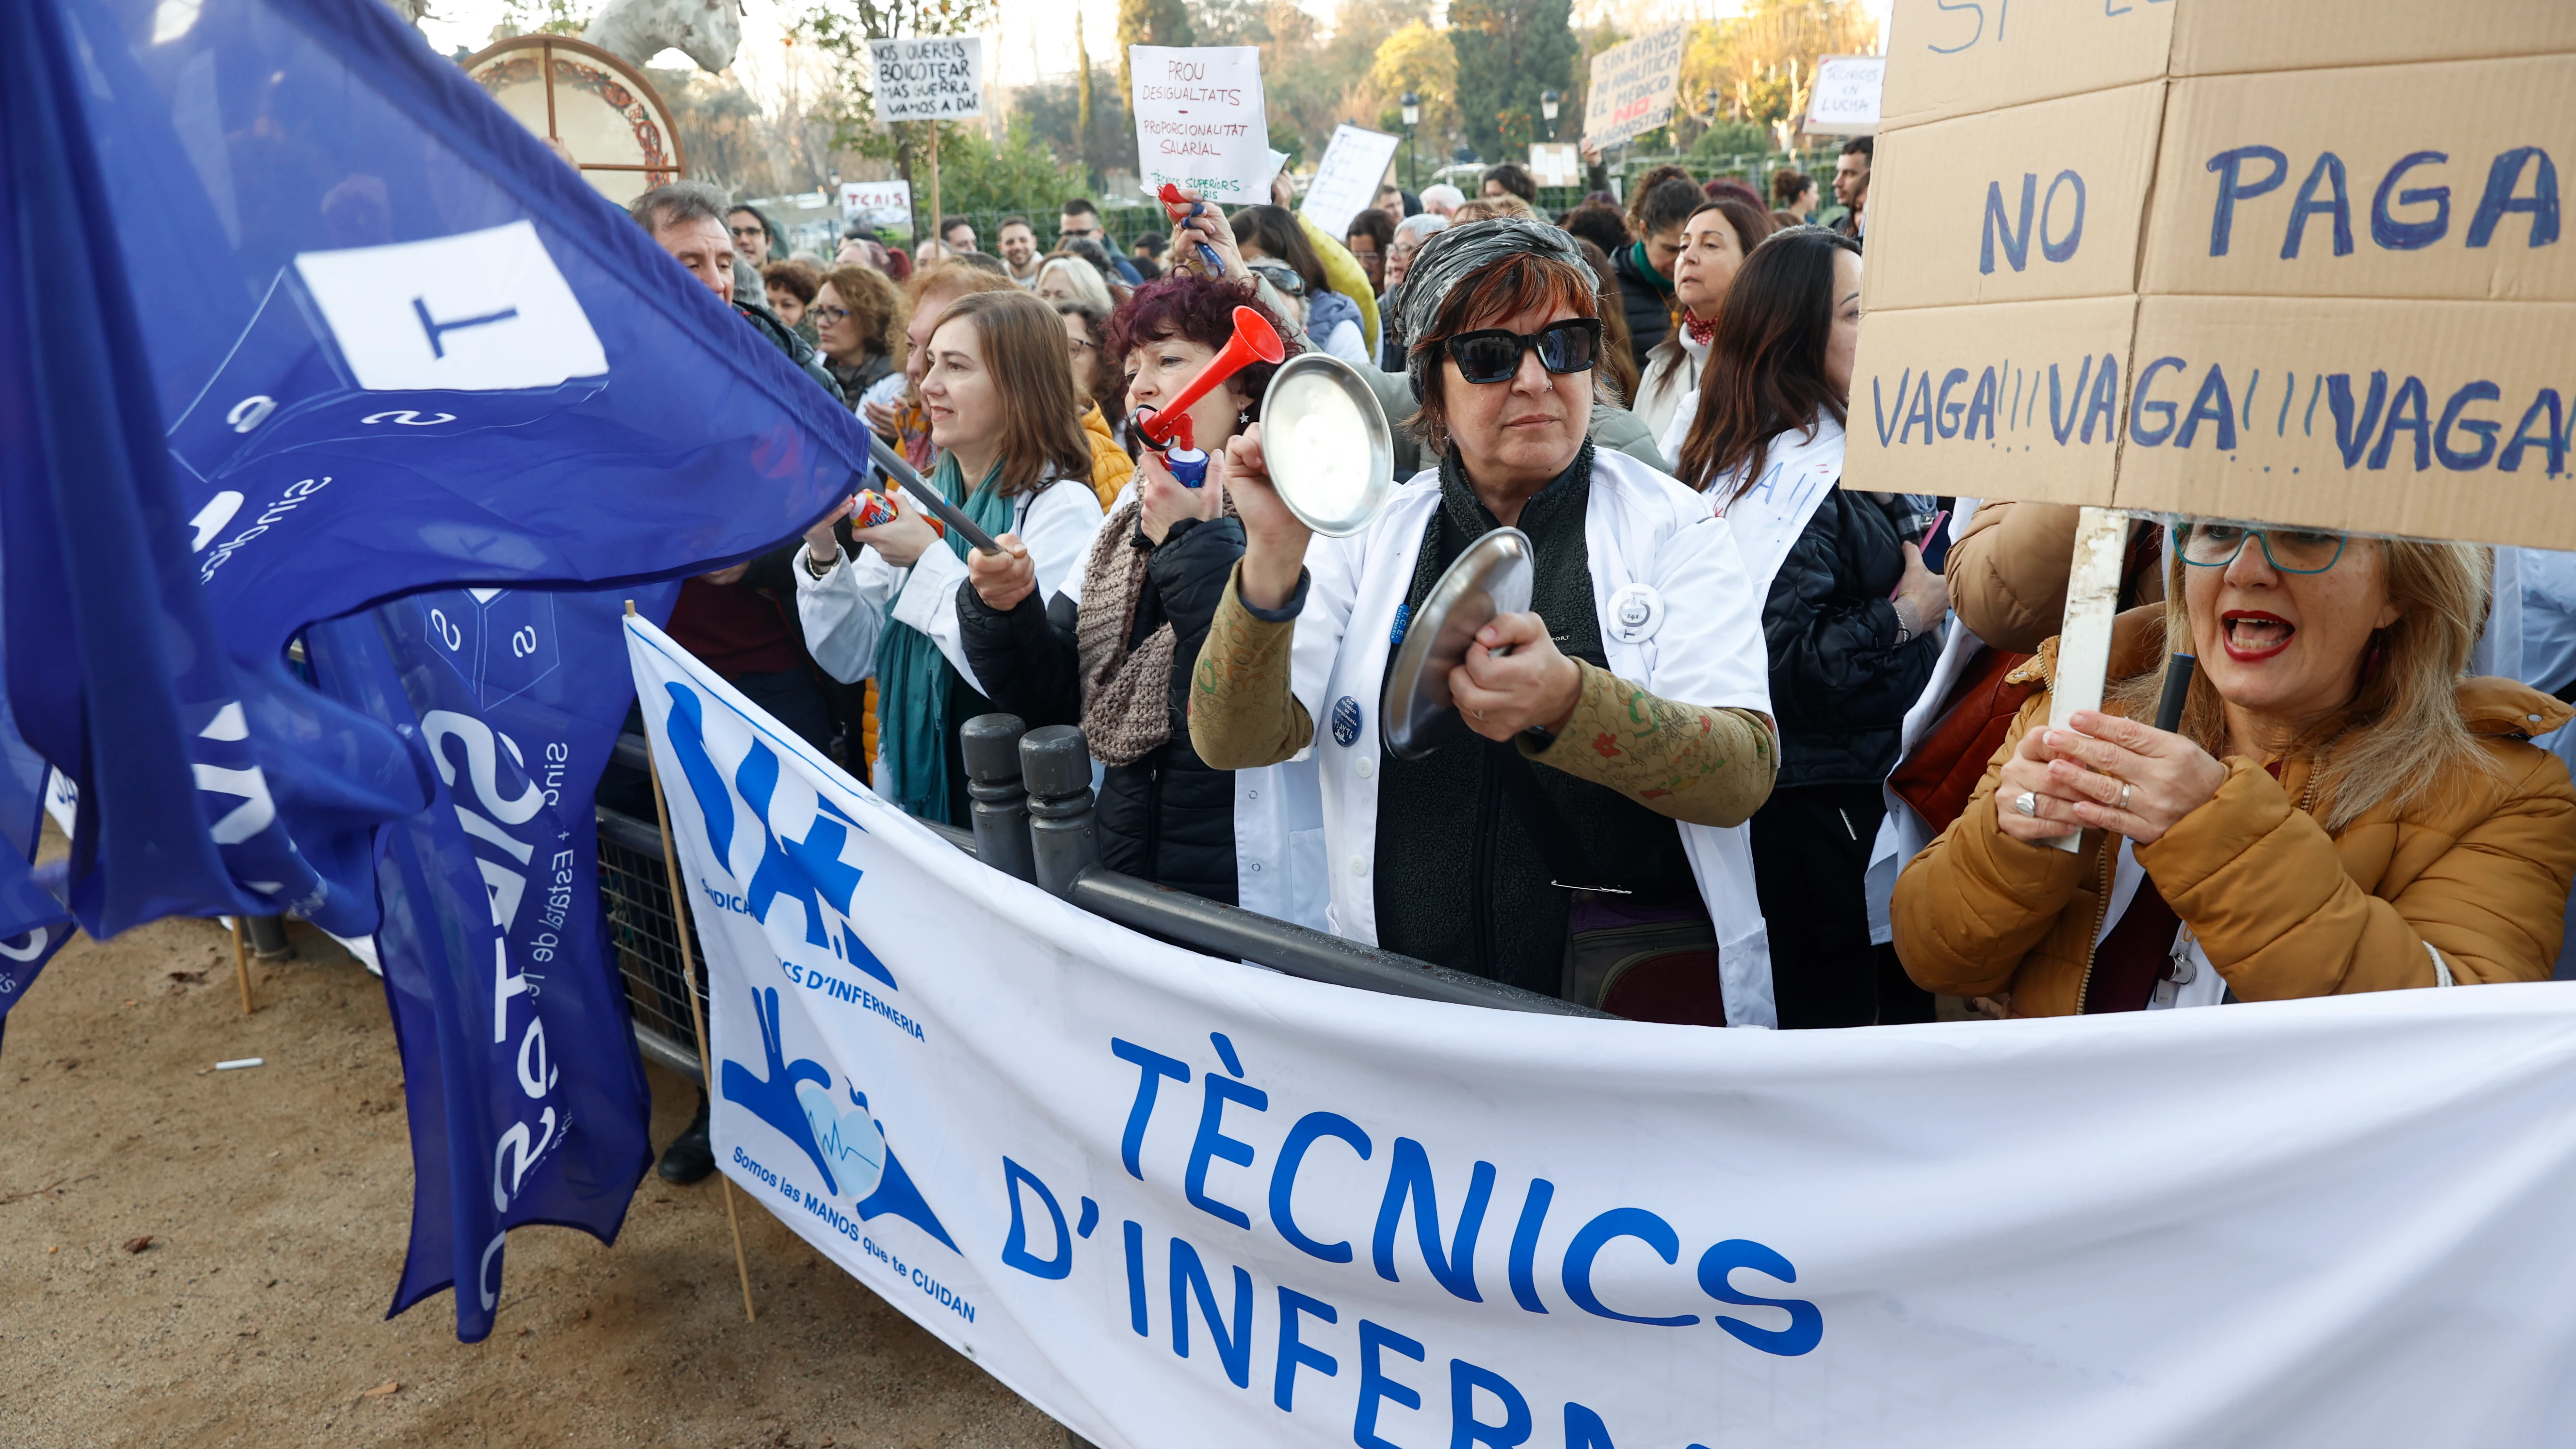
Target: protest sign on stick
x=2300 y=263
x=1201 y=121
x=1556 y=163
x=1346 y=179
x=933 y=79
x=882 y=205
x=1631 y=89
x=1844 y=101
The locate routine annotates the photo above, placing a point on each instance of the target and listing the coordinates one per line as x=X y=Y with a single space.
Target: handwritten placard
x=932 y=79
x=1201 y=121
x=879 y=205
x=1845 y=99
x=1556 y=163
x=1346 y=180
x=1631 y=90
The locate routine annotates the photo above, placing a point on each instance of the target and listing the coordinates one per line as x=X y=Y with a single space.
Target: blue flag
x=393 y=345
x=527 y=1098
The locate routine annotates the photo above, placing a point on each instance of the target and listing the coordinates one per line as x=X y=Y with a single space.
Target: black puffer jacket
x=1840 y=683
x=1168 y=817
x=1647 y=301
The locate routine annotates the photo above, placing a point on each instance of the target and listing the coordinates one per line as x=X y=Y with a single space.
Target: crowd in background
x=1796 y=769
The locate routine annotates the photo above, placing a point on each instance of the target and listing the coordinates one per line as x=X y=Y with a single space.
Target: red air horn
x=1166 y=430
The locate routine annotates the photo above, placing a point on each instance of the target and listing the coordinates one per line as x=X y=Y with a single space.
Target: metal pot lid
x=1330 y=449
x=1492 y=577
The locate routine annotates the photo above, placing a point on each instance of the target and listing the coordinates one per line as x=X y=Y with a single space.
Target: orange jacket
x=1110 y=465
x=2479 y=870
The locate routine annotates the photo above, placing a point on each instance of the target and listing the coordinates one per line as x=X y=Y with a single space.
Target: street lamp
x=1412 y=105
x=1548 y=101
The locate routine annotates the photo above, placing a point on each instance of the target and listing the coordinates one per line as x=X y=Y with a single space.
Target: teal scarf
x=914 y=678
x=1637 y=258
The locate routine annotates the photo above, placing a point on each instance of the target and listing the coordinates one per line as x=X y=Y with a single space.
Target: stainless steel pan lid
x=1329 y=447
x=1492 y=577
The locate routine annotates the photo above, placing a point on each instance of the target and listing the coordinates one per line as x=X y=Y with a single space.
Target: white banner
x=1346 y=180
x=1179 y=1201
x=937 y=78
x=1201 y=121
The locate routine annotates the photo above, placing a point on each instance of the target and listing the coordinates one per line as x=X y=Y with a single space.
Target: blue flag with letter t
x=391 y=344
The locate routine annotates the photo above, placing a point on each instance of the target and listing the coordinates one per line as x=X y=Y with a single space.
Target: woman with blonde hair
x=1066 y=278
x=2339 y=809
x=858 y=315
x=997 y=391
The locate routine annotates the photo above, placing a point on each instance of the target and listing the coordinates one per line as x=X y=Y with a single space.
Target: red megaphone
x=1254 y=340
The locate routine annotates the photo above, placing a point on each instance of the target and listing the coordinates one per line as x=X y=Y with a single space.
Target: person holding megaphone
x=1111 y=649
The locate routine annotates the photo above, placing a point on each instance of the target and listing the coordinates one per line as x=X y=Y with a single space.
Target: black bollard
x=268 y=937
x=991 y=745
x=1056 y=764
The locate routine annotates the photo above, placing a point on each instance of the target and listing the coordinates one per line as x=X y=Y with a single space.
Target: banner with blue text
x=1179 y=1201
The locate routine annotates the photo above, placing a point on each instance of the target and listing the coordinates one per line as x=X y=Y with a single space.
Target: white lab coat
x=1902 y=834
x=1645 y=533
x=845 y=610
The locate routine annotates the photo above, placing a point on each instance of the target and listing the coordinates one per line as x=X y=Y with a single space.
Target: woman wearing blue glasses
x=1568 y=839
x=2340 y=809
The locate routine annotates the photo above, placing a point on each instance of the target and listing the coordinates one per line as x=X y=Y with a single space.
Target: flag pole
x=241 y=965
x=697 y=1014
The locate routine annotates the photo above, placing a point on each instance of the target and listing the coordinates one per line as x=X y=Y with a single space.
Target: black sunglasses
x=1494 y=355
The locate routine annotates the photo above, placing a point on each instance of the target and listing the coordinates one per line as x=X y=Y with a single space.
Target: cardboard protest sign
x=1844 y=99
x=1201 y=121
x=878 y=204
x=938 y=78
x=2300 y=264
x=1631 y=87
x=1346 y=179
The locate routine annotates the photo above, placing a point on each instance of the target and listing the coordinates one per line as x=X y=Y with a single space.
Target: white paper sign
x=1176 y=1201
x=1631 y=87
x=1346 y=180
x=1556 y=163
x=1845 y=99
x=1201 y=121
x=938 y=78
x=878 y=204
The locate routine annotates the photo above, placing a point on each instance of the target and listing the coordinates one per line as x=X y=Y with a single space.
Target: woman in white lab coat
x=1006 y=420
x=1574 y=837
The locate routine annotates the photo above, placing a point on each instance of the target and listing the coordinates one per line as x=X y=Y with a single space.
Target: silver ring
x=2027 y=802
x=2124 y=796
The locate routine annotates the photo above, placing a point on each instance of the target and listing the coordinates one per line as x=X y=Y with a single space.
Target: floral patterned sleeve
x=1692 y=763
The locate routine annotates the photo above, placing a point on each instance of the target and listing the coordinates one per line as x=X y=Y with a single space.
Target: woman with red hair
x=1580 y=823
x=1112 y=650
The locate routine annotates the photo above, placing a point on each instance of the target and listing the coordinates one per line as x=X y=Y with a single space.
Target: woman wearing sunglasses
x=2340 y=809
x=1609 y=733
x=1851 y=614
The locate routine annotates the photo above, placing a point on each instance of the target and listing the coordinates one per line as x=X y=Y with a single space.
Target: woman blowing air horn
x=1615 y=724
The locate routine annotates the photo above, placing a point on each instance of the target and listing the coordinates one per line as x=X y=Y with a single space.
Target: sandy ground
x=277 y=1201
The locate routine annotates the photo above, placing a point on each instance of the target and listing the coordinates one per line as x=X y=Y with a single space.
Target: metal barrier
x=1032 y=812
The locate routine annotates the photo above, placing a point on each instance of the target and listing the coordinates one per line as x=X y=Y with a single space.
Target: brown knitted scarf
x=1126 y=693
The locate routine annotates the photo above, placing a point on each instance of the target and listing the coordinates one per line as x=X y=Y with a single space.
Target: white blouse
x=845 y=610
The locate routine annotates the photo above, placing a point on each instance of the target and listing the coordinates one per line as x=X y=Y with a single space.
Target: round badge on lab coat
x=1636 y=611
x=1346 y=720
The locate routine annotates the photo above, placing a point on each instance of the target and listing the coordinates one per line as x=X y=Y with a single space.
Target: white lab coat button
x=1367 y=767
x=1251 y=794
x=1359 y=865
x=1256 y=867
x=1636 y=612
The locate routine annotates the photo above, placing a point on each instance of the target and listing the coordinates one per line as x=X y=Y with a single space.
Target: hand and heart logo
x=796 y=1097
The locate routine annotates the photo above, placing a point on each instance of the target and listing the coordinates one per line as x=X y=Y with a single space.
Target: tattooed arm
x=1242 y=713
x=1694 y=764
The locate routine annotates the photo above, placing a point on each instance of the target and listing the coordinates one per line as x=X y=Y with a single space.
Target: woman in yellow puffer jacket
x=2340 y=810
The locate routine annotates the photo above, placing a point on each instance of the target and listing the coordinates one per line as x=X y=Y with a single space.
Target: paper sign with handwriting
x=1631 y=90
x=1346 y=179
x=1201 y=121
x=936 y=79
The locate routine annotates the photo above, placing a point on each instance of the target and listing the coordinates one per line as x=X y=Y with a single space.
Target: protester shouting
x=1112 y=650
x=2339 y=810
x=1628 y=700
x=998 y=394
x=1715 y=241
x=1850 y=613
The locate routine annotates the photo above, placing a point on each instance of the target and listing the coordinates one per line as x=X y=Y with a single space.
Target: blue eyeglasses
x=2208 y=545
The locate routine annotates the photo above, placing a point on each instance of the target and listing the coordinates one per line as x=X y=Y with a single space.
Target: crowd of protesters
x=1761 y=751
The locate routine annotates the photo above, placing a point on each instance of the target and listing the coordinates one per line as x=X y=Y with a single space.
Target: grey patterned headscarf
x=1448 y=257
